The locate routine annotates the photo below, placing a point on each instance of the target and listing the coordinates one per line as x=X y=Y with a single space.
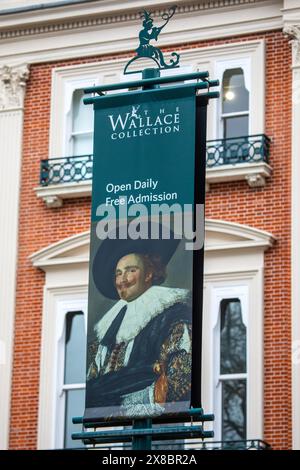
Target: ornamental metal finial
x=147 y=34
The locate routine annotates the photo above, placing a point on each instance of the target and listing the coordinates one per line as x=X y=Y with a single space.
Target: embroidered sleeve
x=91 y=359
x=174 y=365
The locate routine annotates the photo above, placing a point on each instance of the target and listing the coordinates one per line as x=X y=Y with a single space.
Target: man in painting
x=141 y=359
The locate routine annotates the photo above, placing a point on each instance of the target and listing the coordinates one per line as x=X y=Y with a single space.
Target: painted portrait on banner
x=140 y=328
x=140 y=310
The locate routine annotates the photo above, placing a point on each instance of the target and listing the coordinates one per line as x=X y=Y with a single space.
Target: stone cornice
x=53 y=26
x=293 y=31
x=12 y=86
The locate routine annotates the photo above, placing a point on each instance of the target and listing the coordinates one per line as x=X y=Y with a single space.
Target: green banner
x=141 y=277
x=144 y=148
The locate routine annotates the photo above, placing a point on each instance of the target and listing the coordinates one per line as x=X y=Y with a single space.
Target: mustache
x=124 y=284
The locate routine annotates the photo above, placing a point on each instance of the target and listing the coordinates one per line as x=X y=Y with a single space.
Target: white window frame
x=69 y=132
x=58 y=301
x=64 y=307
x=221 y=66
x=234 y=256
x=248 y=287
x=70 y=86
x=218 y=294
x=65 y=80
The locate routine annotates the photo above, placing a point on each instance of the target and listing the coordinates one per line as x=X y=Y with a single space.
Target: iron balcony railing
x=246 y=149
x=251 y=444
x=66 y=170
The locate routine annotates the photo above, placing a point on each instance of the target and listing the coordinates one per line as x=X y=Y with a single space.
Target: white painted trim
x=13 y=109
x=295 y=257
x=66 y=282
x=204 y=58
x=217 y=295
x=64 y=83
x=232 y=376
x=118 y=10
x=57 y=302
x=73 y=386
x=238 y=172
x=252 y=60
x=54 y=195
x=291 y=18
x=97 y=34
x=11 y=129
x=44 y=255
x=220 y=67
x=63 y=306
x=66 y=79
x=253 y=280
x=247 y=237
x=242 y=245
x=252 y=236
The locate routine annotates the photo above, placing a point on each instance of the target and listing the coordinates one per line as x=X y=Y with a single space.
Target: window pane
x=236 y=126
x=233 y=410
x=75 y=348
x=82 y=114
x=83 y=144
x=235 y=96
x=233 y=338
x=74 y=407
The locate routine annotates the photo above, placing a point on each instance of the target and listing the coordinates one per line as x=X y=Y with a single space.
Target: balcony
x=236 y=159
x=196 y=445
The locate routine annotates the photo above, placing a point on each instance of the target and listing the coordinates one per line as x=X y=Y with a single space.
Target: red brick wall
x=265 y=208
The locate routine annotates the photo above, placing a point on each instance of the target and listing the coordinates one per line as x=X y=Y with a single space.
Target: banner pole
x=122 y=166
x=150 y=73
x=198 y=256
x=144 y=442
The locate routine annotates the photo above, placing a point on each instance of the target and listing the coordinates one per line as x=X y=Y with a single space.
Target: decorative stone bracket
x=12 y=86
x=293 y=31
x=53 y=201
x=256 y=174
x=256 y=180
x=55 y=194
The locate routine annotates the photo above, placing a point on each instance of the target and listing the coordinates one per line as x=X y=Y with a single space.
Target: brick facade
x=266 y=208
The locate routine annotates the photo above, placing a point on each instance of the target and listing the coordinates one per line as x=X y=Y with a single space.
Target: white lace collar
x=140 y=311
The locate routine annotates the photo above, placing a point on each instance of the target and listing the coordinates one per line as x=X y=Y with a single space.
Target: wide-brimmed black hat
x=112 y=250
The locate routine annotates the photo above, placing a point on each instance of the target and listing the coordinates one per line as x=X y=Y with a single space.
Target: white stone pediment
x=219 y=236
x=70 y=250
x=222 y=235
